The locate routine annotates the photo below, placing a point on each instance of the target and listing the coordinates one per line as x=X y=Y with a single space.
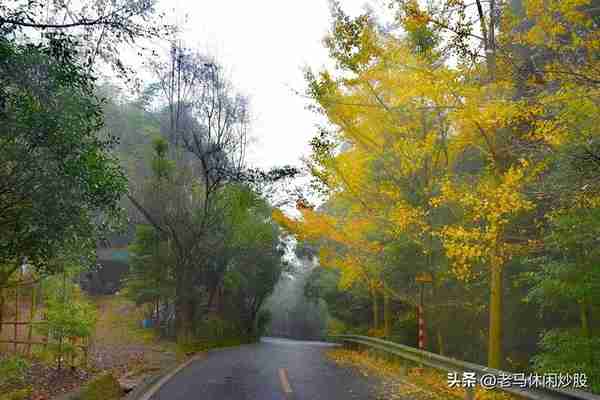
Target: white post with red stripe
x=421 y=328
x=422 y=279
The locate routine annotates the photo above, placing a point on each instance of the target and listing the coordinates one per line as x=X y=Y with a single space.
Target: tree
x=150 y=276
x=205 y=122
x=58 y=177
x=100 y=27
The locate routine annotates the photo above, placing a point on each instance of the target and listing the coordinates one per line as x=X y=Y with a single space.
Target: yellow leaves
x=487 y=209
x=421 y=383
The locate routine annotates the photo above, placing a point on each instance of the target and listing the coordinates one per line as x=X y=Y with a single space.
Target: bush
x=569 y=353
x=21 y=394
x=336 y=327
x=103 y=387
x=13 y=370
x=262 y=322
x=405 y=330
x=69 y=316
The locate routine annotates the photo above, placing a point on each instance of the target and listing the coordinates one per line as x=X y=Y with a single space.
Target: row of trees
x=465 y=147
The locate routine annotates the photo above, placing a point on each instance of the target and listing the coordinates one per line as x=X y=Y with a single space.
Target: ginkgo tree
x=384 y=158
x=407 y=124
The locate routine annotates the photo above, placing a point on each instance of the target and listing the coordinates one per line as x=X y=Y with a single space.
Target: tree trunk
x=387 y=314
x=375 y=309
x=184 y=315
x=440 y=340
x=584 y=317
x=158 y=317
x=495 y=326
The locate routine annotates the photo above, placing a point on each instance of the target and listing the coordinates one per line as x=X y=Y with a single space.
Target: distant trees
x=229 y=271
x=204 y=123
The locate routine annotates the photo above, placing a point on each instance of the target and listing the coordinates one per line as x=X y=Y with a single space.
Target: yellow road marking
x=285 y=384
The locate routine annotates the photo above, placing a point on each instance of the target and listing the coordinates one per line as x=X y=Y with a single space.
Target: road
x=274 y=369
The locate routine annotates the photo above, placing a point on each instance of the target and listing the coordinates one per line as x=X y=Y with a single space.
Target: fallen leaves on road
x=417 y=383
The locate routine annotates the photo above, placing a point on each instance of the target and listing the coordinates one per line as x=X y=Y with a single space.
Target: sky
x=264 y=45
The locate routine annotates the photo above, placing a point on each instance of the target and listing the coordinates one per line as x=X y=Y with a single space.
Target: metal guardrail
x=453 y=365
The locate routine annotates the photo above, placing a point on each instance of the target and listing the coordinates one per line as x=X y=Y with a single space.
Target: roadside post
x=422 y=279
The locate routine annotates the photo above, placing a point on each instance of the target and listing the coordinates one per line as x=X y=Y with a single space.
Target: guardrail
x=538 y=392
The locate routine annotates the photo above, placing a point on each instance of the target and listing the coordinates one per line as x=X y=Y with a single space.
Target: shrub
x=569 y=352
x=13 y=370
x=20 y=394
x=336 y=327
x=103 y=387
x=262 y=322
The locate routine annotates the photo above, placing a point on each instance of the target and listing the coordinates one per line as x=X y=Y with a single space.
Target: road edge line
x=147 y=395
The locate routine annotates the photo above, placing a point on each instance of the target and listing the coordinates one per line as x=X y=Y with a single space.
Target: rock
x=128 y=384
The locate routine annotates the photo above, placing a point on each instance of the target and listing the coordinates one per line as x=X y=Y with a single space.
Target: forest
x=454 y=179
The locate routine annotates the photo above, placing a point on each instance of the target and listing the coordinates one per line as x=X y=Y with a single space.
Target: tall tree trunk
x=586 y=331
x=584 y=317
x=387 y=313
x=184 y=315
x=375 y=308
x=184 y=303
x=440 y=340
x=495 y=326
x=157 y=317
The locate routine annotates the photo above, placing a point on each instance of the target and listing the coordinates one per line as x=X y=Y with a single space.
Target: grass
x=418 y=382
x=19 y=394
x=119 y=322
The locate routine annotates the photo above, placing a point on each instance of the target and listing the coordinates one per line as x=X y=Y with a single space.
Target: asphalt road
x=275 y=369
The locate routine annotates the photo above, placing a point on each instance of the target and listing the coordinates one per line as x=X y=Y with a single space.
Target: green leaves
x=58 y=175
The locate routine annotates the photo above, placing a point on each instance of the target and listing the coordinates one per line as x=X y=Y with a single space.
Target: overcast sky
x=264 y=45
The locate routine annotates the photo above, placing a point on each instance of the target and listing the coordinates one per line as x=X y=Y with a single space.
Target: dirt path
x=121 y=344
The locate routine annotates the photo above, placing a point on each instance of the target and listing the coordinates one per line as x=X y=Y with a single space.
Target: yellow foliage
x=420 y=383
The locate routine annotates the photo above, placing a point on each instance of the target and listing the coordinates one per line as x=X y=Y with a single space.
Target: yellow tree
x=518 y=74
x=391 y=135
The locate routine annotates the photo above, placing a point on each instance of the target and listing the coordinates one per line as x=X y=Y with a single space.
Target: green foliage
x=13 y=370
x=336 y=327
x=19 y=394
x=58 y=175
x=251 y=246
x=150 y=278
x=569 y=352
x=262 y=322
x=69 y=316
x=102 y=387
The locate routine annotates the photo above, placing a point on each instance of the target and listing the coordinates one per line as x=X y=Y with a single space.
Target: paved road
x=275 y=369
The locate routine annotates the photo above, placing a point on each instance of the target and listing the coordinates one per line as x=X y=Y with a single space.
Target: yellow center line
x=285 y=384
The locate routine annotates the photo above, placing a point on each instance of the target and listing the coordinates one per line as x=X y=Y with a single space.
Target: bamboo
x=387 y=314
x=22 y=342
x=16 y=332
x=1 y=307
x=31 y=316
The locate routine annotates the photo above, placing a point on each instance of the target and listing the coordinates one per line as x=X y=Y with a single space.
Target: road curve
x=274 y=369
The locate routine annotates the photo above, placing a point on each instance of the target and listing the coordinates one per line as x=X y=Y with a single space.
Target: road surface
x=274 y=369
